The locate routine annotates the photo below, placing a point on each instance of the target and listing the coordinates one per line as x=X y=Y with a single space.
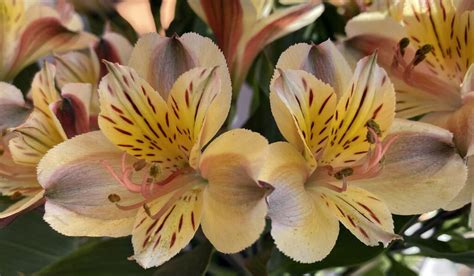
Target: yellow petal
x=155 y=241
x=198 y=108
x=34 y=138
x=311 y=104
x=370 y=97
x=302 y=228
x=234 y=204
x=136 y=119
x=437 y=23
x=366 y=216
x=11 y=20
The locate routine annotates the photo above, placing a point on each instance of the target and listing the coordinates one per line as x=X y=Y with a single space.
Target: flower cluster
x=117 y=140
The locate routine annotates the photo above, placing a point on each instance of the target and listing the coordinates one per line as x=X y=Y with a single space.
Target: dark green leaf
x=194 y=262
x=106 y=257
x=28 y=244
x=445 y=250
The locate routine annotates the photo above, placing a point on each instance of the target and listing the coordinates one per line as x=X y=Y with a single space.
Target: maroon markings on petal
x=72 y=115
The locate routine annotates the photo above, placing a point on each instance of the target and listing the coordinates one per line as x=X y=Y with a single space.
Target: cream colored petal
x=421 y=171
x=375 y=24
x=155 y=241
x=234 y=204
x=77 y=66
x=22 y=205
x=75 y=178
x=13 y=110
x=468 y=82
x=303 y=229
x=324 y=61
x=70 y=223
x=467 y=192
x=161 y=60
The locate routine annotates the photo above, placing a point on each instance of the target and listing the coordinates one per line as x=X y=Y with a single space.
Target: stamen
x=149 y=188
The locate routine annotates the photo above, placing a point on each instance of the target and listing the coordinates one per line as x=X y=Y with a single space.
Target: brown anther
x=421 y=53
x=343 y=173
x=154 y=170
x=114 y=198
x=139 y=165
x=403 y=43
x=374 y=126
x=16 y=195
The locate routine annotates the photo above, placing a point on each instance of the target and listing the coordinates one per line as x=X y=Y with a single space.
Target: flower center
x=150 y=187
x=369 y=168
x=400 y=65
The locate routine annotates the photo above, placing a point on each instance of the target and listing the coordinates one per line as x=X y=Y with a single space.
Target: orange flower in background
x=243 y=28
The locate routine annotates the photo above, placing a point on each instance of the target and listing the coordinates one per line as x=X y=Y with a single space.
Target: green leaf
x=110 y=257
x=104 y=257
x=399 y=269
x=194 y=262
x=28 y=244
x=445 y=250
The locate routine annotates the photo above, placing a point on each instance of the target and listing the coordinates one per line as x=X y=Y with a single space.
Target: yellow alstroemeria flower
x=86 y=66
x=56 y=117
x=31 y=30
x=429 y=56
x=347 y=160
x=147 y=174
x=243 y=28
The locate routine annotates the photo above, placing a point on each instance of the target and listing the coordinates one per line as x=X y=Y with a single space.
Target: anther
x=421 y=53
x=155 y=170
x=340 y=175
x=114 y=198
x=139 y=165
x=403 y=43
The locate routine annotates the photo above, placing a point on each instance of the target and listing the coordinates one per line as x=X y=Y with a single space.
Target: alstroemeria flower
x=430 y=58
x=244 y=27
x=31 y=30
x=86 y=66
x=56 y=117
x=348 y=160
x=148 y=176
